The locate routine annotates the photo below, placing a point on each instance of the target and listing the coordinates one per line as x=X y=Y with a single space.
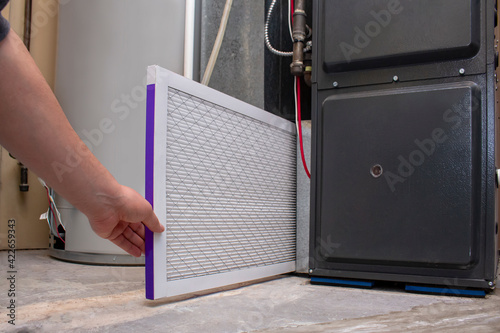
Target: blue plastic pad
x=353 y=283
x=446 y=291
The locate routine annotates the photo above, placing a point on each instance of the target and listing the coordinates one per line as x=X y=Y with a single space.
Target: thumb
x=151 y=221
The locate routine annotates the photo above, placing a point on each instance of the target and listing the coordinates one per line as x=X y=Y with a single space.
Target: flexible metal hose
x=266 y=34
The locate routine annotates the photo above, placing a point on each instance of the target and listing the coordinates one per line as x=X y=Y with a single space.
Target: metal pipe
x=23 y=184
x=27 y=23
x=299 y=37
x=28 y=8
x=189 y=26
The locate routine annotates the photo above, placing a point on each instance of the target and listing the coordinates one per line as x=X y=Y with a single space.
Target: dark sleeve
x=4 y=24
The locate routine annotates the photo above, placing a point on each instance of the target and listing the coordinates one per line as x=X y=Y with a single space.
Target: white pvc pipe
x=189 y=38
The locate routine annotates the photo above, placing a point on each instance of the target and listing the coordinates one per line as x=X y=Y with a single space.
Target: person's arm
x=34 y=128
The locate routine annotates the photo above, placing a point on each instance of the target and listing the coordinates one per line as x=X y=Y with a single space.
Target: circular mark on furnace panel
x=376 y=171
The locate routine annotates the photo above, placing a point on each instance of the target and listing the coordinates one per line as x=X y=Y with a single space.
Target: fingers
x=137 y=210
x=131 y=239
x=139 y=229
x=134 y=236
x=126 y=245
x=125 y=227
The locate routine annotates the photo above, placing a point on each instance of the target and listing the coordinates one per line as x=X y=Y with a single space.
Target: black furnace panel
x=403 y=183
x=400 y=169
x=364 y=34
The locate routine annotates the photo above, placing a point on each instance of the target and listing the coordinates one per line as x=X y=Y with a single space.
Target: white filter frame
x=158 y=284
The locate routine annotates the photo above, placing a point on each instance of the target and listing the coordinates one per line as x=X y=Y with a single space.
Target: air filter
x=221 y=176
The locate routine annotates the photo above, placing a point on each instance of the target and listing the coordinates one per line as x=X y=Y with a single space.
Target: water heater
x=104 y=48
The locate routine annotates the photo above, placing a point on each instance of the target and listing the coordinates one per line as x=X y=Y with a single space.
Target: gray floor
x=55 y=296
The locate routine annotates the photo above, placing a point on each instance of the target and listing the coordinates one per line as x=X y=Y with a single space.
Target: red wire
x=299 y=116
x=299 y=123
x=54 y=215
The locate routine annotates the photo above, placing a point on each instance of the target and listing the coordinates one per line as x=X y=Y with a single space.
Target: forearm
x=32 y=124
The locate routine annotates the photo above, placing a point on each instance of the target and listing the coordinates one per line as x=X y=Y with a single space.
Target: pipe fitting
x=297 y=65
x=308 y=69
x=23 y=184
x=299 y=36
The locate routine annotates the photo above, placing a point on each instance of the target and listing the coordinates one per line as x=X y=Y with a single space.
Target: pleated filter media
x=221 y=176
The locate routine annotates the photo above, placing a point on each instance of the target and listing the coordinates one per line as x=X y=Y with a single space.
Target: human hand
x=122 y=220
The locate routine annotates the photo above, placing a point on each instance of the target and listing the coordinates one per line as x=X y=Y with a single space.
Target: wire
x=54 y=215
x=53 y=223
x=295 y=104
x=296 y=93
x=290 y=17
x=51 y=200
x=218 y=42
x=55 y=207
x=266 y=34
x=300 y=129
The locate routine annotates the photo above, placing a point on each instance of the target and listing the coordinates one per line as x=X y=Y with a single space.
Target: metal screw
x=490 y=284
x=335 y=84
x=310 y=270
x=461 y=71
x=376 y=171
x=395 y=78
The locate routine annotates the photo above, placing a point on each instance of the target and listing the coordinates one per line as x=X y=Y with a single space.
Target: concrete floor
x=56 y=296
